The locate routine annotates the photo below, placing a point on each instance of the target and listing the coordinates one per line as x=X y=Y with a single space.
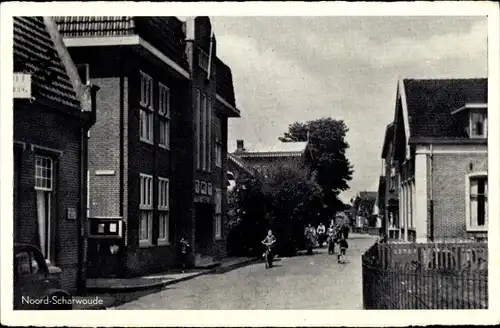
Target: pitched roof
x=224 y=86
x=431 y=102
x=35 y=53
x=239 y=163
x=389 y=134
x=367 y=194
x=279 y=149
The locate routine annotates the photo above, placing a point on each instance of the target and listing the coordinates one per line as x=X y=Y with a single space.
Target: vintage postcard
x=290 y=162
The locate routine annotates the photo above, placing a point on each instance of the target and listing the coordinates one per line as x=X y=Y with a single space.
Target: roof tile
x=431 y=102
x=35 y=53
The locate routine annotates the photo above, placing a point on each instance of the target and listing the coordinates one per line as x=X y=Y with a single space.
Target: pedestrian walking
x=184 y=248
x=321 y=234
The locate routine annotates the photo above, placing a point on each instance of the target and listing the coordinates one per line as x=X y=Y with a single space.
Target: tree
x=326 y=155
x=281 y=197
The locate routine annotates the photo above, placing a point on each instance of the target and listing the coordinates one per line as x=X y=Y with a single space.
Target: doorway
x=203 y=228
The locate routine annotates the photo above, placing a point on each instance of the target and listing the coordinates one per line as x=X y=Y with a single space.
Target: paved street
x=301 y=282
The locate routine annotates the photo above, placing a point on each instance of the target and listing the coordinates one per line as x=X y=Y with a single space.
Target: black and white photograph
x=330 y=158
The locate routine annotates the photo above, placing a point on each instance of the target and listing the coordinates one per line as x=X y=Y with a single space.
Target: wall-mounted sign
x=22 y=86
x=197 y=186
x=71 y=213
x=107 y=228
x=203 y=188
x=209 y=189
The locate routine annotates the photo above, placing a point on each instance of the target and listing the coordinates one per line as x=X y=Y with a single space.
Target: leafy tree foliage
x=281 y=197
x=326 y=154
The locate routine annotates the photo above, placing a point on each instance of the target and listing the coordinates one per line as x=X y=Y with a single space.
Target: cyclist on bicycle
x=269 y=241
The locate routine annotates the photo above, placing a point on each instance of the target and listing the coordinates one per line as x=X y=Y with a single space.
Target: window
x=164 y=113
x=203 y=60
x=208 y=138
x=163 y=208
x=218 y=142
x=198 y=129
x=146 y=90
x=146 y=110
x=146 y=210
x=218 y=213
x=478 y=125
x=44 y=170
x=28 y=264
x=163 y=194
x=163 y=226
x=203 y=131
x=477 y=202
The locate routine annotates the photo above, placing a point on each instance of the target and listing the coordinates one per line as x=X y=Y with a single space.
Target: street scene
x=294 y=283
x=250 y=163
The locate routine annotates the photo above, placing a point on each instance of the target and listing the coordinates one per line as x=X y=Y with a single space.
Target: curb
x=148 y=286
x=160 y=284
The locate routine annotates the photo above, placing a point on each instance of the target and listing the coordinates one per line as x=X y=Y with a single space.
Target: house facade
x=156 y=170
x=390 y=204
x=440 y=160
x=53 y=110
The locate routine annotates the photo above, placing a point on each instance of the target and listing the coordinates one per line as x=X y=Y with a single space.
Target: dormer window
x=478 y=125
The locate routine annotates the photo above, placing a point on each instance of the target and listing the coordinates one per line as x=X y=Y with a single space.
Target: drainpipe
x=431 y=194
x=88 y=91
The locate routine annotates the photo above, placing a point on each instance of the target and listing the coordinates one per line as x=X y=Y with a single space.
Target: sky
x=288 y=69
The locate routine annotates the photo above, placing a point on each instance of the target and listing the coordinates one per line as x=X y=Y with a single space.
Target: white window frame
x=47 y=195
x=485 y=124
x=146 y=207
x=469 y=226
x=202 y=55
x=164 y=210
x=218 y=214
x=164 y=114
x=146 y=101
x=164 y=215
x=44 y=177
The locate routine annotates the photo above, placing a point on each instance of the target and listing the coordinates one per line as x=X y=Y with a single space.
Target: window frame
x=149 y=217
x=198 y=129
x=218 y=214
x=209 y=134
x=146 y=207
x=484 y=115
x=469 y=226
x=164 y=214
x=146 y=83
x=164 y=102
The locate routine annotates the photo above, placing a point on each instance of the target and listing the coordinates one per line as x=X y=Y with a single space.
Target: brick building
x=50 y=141
x=439 y=159
x=156 y=167
x=260 y=158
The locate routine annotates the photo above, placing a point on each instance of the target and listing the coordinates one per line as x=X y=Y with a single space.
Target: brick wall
x=39 y=125
x=449 y=172
x=104 y=150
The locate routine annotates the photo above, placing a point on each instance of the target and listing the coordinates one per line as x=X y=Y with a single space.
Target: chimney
x=239 y=146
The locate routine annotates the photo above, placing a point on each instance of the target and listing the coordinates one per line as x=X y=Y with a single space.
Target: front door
x=203 y=228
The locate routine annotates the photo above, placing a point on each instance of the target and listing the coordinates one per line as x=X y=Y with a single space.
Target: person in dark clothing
x=343 y=250
x=345 y=231
x=184 y=252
